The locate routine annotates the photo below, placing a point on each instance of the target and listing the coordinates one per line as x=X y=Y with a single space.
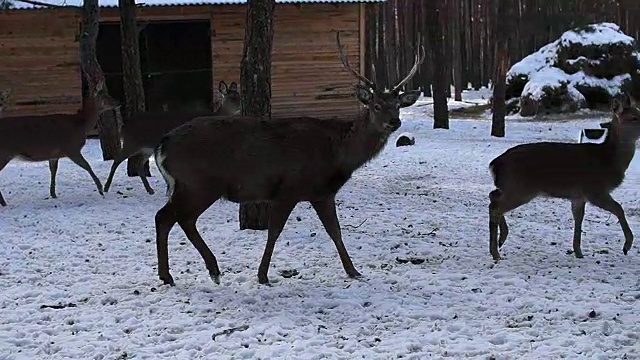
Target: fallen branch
x=355 y=227
x=229 y=331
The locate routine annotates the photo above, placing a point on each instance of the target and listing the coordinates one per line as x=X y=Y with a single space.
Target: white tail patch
x=159 y=159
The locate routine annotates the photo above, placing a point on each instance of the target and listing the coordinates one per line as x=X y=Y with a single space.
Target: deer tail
x=160 y=158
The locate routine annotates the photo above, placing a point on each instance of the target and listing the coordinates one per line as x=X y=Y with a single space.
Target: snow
x=541 y=71
x=599 y=34
x=426 y=202
x=545 y=57
x=114 y=3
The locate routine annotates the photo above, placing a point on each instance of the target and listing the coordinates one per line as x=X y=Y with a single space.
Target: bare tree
x=435 y=30
x=107 y=125
x=255 y=82
x=502 y=45
x=131 y=74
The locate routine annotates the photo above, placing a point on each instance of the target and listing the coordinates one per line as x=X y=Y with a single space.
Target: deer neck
x=624 y=147
x=90 y=114
x=363 y=142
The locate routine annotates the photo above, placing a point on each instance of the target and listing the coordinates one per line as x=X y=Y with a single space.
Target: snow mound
x=586 y=66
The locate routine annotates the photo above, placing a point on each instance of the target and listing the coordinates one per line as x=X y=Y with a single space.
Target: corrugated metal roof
x=114 y=3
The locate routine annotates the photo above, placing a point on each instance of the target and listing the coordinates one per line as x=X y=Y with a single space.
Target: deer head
x=231 y=103
x=383 y=104
x=626 y=116
x=99 y=101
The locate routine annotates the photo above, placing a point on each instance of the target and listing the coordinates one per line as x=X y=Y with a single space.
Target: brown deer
x=282 y=161
x=581 y=173
x=143 y=131
x=51 y=137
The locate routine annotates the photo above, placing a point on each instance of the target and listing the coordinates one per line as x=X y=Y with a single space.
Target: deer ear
x=233 y=87
x=222 y=86
x=408 y=98
x=363 y=94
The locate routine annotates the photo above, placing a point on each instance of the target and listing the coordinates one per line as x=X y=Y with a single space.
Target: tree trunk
x=503 y=30
x=108 y=128
x=435 y=25
x=255 y=82
x=131 y=73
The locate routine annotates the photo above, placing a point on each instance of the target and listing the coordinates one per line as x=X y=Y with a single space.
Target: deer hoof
x=215 y=278
x=578 y=254
x=354 y=274
x=167 y=279
x=625 y=251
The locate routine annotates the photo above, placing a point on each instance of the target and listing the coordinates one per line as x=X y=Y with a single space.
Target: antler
x=419 y=58
x=345 y=62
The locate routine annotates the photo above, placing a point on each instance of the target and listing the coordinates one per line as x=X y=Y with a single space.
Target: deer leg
x=188 y=210
x=577 y=208
x=122 y=156
x=606 y=202
x=500 y=204
x=143 y=176
x=79 y=160
x=326 y=210
x=495 y=215
x=3 y=163
x=278 y=215
x=165 y=219
x=53 y=169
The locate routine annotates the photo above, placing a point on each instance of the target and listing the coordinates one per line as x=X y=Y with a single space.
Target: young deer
x=51 y=137
x=282 y=161
x=580 y=173
x=142 y=132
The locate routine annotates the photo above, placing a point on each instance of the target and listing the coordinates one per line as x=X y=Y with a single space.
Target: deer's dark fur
x=282 y=160
x=143 y=131
x=581 y=173
x=51 y=137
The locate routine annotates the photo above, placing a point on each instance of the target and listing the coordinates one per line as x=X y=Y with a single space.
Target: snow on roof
x=114 y=3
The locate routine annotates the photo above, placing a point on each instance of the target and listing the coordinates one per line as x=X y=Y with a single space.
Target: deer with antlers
x=51 y=137
x=282 y=161
x=143 y=131
x=582 y=173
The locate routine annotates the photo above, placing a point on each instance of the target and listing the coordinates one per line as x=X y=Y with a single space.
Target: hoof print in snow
x=289 y=273
x=59 y=306
x=592 y=314
x=405 y=139
x=413 y=260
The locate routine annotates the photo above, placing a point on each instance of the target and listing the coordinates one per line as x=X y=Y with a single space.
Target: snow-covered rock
x=586 y=66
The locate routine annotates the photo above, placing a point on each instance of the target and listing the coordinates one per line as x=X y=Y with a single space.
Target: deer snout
x=395 y=123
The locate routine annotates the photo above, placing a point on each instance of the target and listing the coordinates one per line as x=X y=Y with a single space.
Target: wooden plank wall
x=39 y=59
x=39 y=54
x=307 y=76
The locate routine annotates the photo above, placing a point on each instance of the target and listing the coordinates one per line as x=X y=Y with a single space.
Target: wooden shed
x=186 y=49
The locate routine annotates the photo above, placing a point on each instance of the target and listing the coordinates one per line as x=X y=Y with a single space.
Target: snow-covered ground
x=425 y=203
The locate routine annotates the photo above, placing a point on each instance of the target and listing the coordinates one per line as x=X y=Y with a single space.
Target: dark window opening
x=175 y=59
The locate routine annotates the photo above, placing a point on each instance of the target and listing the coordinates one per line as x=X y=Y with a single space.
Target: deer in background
x=143 y=131
x=51 y=137
x=282 y=161
x=581 y=173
